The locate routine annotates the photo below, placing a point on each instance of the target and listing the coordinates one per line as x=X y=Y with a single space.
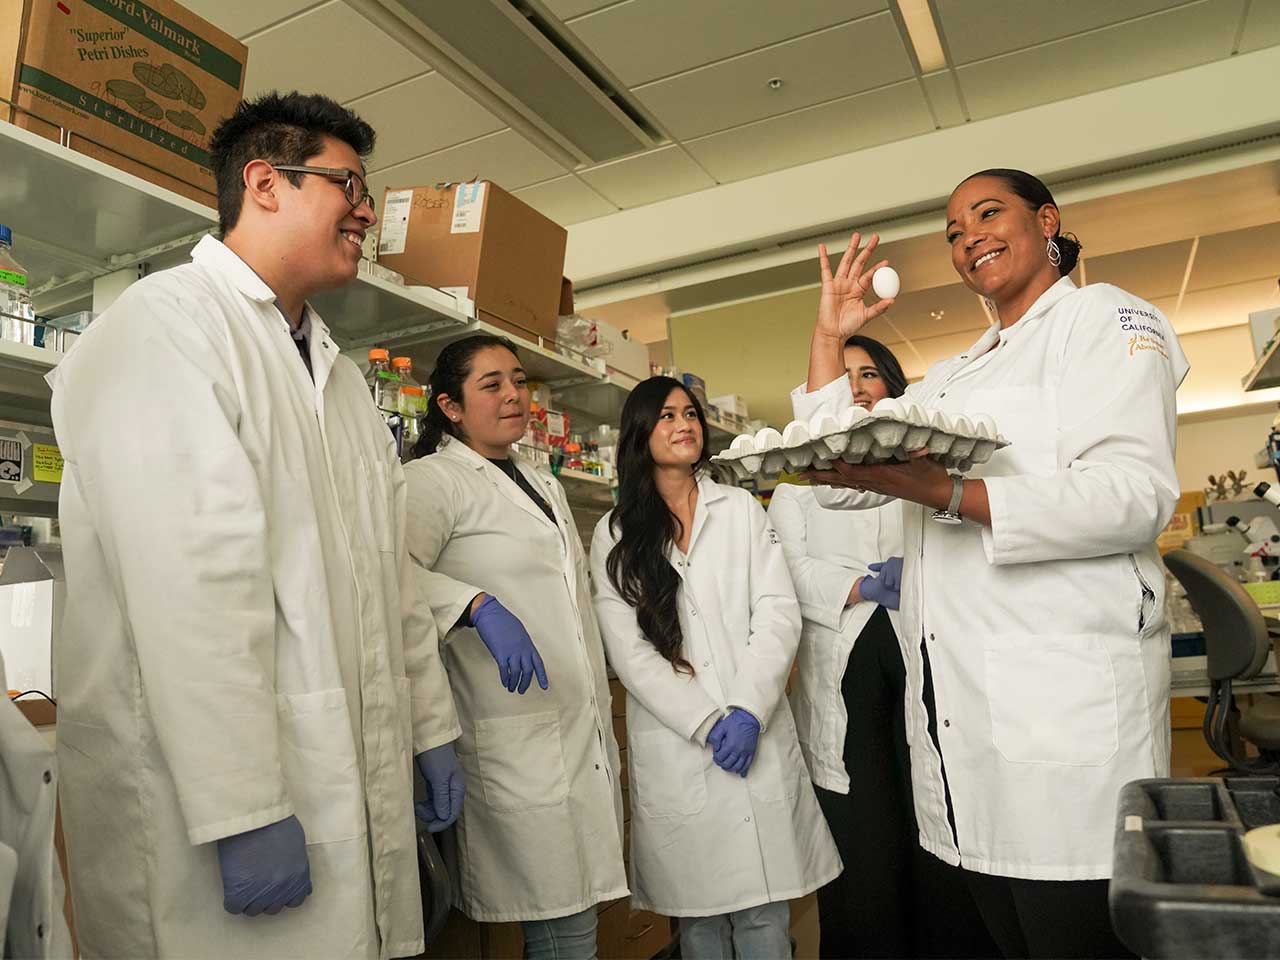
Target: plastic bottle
x=383 y=384
x=413 y=401
x=17 y=315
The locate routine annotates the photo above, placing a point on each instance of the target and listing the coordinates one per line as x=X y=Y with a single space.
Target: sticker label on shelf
x=468 y=205
x=395 y=222
x=10 y=461
x=46 y=463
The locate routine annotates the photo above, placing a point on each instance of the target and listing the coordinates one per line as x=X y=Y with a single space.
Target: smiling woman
x=498 y=557
x=1035 y=632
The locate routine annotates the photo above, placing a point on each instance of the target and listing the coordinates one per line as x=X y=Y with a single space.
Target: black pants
x=893 y=899
x=1033 y=918
x=1047 y=918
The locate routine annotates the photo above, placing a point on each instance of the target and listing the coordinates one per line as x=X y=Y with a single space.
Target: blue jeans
x=757 y=933
x=562 y=938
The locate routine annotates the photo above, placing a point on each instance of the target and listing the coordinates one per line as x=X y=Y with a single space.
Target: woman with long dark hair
x=701 y=623
x=1032 y=599
x=499 y=558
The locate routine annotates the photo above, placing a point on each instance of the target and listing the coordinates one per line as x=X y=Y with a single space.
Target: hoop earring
x=1055 y=255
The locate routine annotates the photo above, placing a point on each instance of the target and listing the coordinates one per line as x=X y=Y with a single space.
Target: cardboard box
x=140 y=86
x=477 y=239
x=622 y=353
x=731 y=403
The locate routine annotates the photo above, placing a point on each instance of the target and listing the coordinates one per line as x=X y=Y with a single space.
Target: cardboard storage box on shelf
x=622 y=353
x=478 y=240
x=140 y=86
x=730 y=403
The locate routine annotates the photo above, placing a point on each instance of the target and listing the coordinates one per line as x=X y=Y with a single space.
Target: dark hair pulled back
x=645 y=527
x=452 y=368
x=1033 y=191
x=887 y=364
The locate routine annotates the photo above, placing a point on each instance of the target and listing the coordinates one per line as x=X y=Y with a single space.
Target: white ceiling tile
x=1148 y=272
x=977 y=30
x=330 y=50
x=940 y=88
x=422 y=116
x=566 y=200
x=647 y=39
x=842 y=126
x=648 y=177
x=243 y=17
x=1262 y=27
x=568 y=9
x=843 y=60
x=1160 y=44
x=505 y=158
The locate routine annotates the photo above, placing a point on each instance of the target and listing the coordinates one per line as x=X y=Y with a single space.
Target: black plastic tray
x=1181 y=884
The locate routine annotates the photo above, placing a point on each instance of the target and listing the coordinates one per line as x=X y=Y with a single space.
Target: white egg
x=886 y=283
x=890 y=407
x=796 y=433
x=768 y=439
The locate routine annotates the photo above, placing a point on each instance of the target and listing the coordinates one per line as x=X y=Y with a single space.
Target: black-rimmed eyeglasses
x=353 y=183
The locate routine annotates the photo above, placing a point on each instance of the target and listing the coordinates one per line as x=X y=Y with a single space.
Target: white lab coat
x=827 y=550
x=242 y=639
x=541 y=830
x=1046 y=632
x=705 y=842
x=31 y=889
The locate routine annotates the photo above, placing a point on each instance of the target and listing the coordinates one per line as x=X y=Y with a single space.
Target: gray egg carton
x=1181 y=884
x=892 y=432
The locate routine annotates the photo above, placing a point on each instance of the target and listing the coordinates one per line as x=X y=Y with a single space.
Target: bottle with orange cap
x=413 y=401
x=384 y=385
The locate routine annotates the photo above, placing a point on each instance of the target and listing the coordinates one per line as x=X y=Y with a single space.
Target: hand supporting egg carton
x=895 y=430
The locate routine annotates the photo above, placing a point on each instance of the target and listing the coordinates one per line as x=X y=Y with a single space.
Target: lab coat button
x=932 y=637
x=946 y=723
x=748 y=819
x=48 y=777
x=40 y=931
x=706 y=663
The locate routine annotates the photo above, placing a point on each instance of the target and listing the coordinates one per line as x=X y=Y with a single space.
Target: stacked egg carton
x=892 y=431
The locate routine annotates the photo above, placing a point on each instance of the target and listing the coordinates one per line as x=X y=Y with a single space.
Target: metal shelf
x=586 y=487
x=24 y=396
x=75 y=218
x=1266 y=372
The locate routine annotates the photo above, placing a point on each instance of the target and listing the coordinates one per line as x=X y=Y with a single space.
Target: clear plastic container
x=17 y=314
x=413 y=401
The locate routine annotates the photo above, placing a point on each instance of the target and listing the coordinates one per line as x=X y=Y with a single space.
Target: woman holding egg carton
x=847 y=697
x=1038 y=651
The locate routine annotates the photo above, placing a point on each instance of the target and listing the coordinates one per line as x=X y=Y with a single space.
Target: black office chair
x=1237 y=639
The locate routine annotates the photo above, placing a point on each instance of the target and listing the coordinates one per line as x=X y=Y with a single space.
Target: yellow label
x=46 y=463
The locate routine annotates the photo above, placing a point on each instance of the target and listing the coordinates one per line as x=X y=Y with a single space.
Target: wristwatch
x=952 y=513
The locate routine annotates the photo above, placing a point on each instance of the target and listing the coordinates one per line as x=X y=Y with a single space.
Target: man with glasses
x=244 y=666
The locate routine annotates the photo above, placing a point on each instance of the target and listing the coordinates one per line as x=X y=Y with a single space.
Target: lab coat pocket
x=521 y=761
x=778 y=767
x=319 y=761
x=668 y=776
x=1052 y=699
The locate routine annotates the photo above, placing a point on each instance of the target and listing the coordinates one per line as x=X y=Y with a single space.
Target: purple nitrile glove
x=446 y=787
x=886 y=588
x=733 y=741
x=509 y=643
x=265 y=870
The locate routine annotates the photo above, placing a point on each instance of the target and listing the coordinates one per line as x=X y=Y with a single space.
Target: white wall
x=1216 y=446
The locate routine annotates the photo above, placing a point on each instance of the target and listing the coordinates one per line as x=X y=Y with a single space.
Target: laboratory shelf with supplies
x=24 y=395
x=1266 y=372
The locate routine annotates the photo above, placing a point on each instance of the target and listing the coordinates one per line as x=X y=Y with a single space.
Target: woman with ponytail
x=701 y=624
x=1032 y=598
x=499 y=558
